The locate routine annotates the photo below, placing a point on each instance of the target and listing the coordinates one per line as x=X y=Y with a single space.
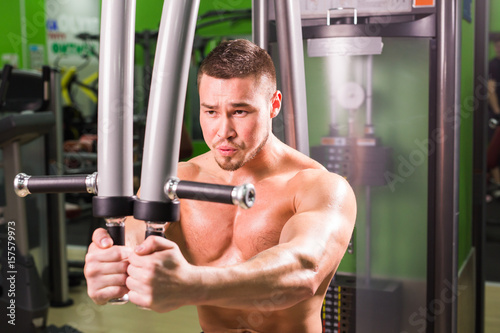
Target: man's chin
x=227 y=164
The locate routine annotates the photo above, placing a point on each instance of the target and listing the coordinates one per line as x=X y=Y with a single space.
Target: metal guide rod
x=167 y=97
x=58 y=260
x=16 y=207
x=291 y=57
x=260 y=19
x=369 y=92
x=115 y=116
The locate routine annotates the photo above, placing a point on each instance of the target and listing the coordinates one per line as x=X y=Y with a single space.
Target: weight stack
x=362 y=161
x=339 y=306
x=351 y=307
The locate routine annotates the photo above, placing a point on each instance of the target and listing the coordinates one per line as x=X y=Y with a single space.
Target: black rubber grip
x=117 y=233
x=204 y=192
x=57 y=184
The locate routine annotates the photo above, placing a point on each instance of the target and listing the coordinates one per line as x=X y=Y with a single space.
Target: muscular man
x=265 y=269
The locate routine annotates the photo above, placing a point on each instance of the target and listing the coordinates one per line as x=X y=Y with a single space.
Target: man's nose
x=226 y=128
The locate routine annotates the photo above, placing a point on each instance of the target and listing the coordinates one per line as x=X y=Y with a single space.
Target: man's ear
x=276 y=103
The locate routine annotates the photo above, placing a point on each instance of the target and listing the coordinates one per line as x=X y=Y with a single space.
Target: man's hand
x=105 y=268
x=160 y=278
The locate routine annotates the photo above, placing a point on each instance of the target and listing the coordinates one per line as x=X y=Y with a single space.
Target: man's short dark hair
x=238 y=58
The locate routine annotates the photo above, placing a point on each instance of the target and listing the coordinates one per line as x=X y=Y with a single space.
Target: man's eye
x=240 y=112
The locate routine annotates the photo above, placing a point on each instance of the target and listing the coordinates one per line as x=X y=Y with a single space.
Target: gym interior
x=391 y=94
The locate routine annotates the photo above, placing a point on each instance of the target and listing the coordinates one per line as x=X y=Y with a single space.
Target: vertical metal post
x=16 y=206
x=293 y=81
x=59 y=284
x=260 y=20
x=447 y=152
x=116 y=88
x=481 y=41
x=369 y=94
x=167 y=97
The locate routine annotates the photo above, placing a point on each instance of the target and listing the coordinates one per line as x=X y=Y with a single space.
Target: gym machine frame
x=113 y=181
x=444 y=88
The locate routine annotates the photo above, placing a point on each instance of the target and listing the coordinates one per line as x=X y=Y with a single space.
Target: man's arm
x=312 y=243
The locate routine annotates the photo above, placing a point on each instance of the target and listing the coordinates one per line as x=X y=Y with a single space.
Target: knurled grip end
x=21 y=185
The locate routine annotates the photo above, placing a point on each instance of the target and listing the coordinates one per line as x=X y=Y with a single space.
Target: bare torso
x=212 y=234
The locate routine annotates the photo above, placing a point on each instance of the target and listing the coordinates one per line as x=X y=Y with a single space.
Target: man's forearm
x=277 y=277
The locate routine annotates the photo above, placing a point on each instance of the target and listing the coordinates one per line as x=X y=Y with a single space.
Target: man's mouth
x=226 y=150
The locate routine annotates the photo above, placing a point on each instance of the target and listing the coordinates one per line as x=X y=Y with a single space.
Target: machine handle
x=25 y=184
x=242 y=195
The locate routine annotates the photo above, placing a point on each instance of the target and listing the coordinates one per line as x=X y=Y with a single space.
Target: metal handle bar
x=25 y=184
x=242 y=195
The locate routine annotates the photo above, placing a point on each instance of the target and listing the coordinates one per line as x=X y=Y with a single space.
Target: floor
x=492 y=308
x=86 y=316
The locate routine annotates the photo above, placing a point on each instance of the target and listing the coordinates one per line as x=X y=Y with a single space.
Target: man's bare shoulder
x=195 y=168
x=317 y=186
x=319 y=180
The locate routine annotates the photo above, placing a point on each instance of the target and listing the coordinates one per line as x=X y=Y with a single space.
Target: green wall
x=10 y=28
x=466 y=139
x=494 y=21
x=12 y=39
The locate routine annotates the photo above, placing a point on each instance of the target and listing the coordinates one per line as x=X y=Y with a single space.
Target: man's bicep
x=323 y=223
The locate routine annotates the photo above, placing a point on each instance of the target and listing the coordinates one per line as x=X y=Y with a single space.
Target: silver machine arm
x=113 y=182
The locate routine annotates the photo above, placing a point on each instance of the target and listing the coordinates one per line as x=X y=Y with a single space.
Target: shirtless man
x=265 y=269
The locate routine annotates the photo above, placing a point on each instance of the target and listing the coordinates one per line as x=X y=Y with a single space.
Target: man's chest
x=219 y=235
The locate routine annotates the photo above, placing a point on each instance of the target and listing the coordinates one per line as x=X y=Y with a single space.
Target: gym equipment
x=112 y=184
x=23 y=297
x=419 y=62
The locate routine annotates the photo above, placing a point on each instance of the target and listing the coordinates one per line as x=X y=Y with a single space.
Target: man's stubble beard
x=226 y=164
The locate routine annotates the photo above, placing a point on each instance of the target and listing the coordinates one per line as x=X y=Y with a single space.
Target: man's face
x=235 y=117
